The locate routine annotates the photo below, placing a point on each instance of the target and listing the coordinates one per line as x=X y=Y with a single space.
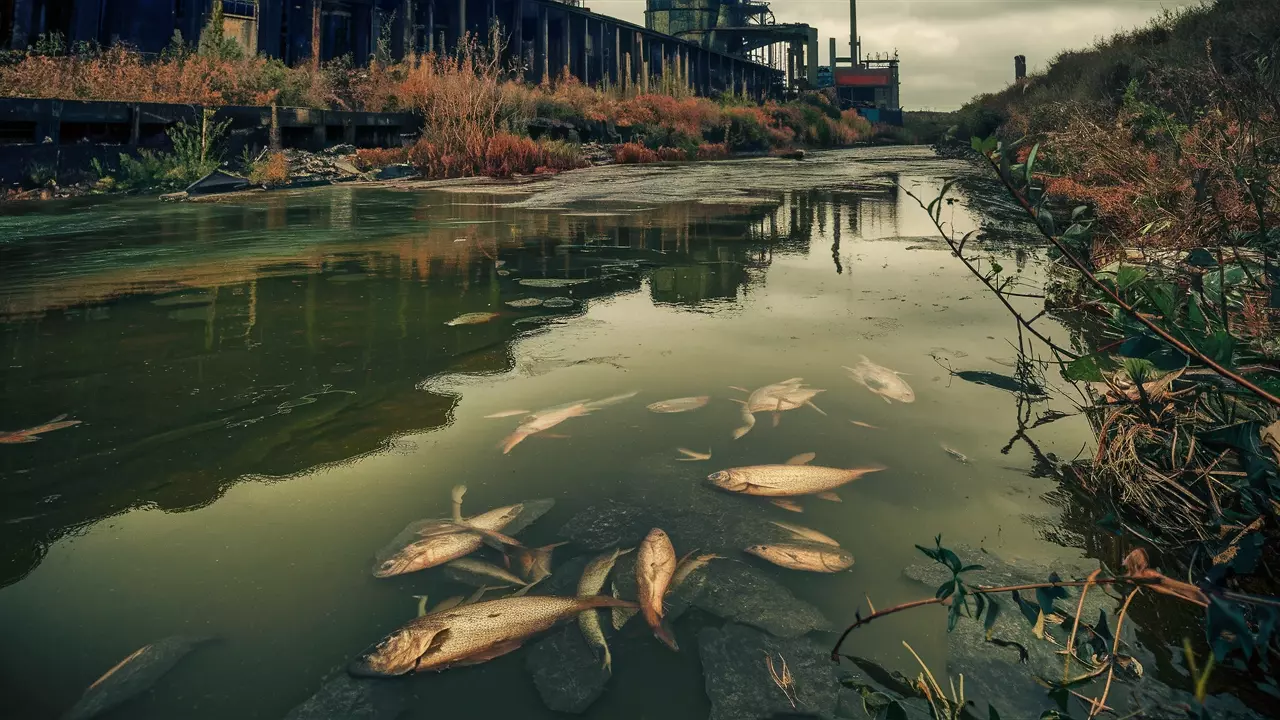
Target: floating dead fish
x=690 y=564
x=692 y=456
x=132 y=676
x=806 y=533
x=506 y=413
x=592 y=583
x=655 y=565
x=788 y=505
x=524 y=303
x=533 y=564
x=437 y=542
x=869 y=426
x=785 y=480
x=611 y=400
x=881 y=381
x=32 y=434
x=471 y=571
x=777 y=398
x=551 y=282
x=559 y=303
x=956 y=454
x=474 y=318
x=471 y=634
x=679 y=405
x=539 y=423
x=813 y=558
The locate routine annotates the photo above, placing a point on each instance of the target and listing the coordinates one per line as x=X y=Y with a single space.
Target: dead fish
x=32 y=434
x=789 y=505
x=618 y=616
x=471 y=634
x=864 y=425
x=785 y=480
x=690 y=564
x=806 y=533
x=592 y=583
x=506 y=413
x=749 y=421
x=776 y=398
x=444 y=541
x=539 y=423
x=801 y=459
x=881 y=381
x=533 y=564
x=524 y=303
x=467 y=568
x=612 y=400
x=679 y=405
x=655 y=564
x=814 y=558
x=474 y=318
x=956 y=454
x=455 y=601
x=692 y=456
x=132 y=676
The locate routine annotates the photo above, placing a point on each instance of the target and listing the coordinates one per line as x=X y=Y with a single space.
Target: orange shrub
x=272 y=171
x=670 y=154
x=508 y=154
x=634 y=153
x=713 y=151
x=374 y=158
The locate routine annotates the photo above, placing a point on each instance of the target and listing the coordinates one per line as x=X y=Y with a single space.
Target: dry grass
x=271 y=171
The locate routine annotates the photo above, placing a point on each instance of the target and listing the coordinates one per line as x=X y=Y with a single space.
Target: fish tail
x=511 y=441
x=608 y=660
x=663 y=633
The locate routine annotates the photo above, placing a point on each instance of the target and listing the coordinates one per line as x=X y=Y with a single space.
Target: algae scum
x=269 y=388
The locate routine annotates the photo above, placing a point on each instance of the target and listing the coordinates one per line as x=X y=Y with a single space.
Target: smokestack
x=1019 y=68
x=854 y=55
x=833 y=53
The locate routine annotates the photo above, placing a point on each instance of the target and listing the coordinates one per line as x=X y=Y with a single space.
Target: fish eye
x=718 y=476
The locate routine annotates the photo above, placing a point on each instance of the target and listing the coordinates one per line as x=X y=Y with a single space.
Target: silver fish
x=785 y=480
x=805 y=533
x=881 y=381
x=474 y=318
x=655 y=565
x=814 y=558
x=470 y=634
x=438 y=542
x=540 y=423
x=679 y=405
x=592 y=583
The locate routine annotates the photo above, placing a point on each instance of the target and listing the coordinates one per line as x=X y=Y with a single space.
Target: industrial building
x=545 y=37
x=869 y=84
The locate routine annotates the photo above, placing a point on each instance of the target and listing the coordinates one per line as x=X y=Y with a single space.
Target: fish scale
x=782 y=480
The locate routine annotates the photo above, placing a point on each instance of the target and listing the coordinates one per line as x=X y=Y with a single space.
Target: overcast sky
x=952 y=50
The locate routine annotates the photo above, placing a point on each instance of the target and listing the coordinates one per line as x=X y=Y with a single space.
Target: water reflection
x=300 y=340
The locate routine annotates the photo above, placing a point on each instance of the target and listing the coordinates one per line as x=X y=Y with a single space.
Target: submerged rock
x=739 y=683
x=343 y=697
x=569 y=677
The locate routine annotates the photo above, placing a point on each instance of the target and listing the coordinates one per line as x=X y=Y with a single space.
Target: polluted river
x=281 y=426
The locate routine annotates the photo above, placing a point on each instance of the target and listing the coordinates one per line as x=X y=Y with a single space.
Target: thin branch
x=1126 y=307
x=1071 y=641
x=1101 y=702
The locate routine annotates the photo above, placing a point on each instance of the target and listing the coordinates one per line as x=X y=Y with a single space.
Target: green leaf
x=1195 y=315
x=993 y=614
x=1079 y=212
x=1088 y=368
x=996 y=267
x=1127 y=276
x=1031 y=161
x=990 y=144
x=894 y=711
x=1219 y=347
x=1162 y=296
x=951 y=559
x=976 y=143
x=1139 y=370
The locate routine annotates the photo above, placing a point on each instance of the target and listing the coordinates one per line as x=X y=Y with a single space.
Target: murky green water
x=269 y=393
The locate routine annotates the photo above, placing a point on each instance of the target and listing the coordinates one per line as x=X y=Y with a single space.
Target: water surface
x=269 y=393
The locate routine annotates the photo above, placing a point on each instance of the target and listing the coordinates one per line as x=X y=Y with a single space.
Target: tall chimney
x=854 y=55
x=833 y=53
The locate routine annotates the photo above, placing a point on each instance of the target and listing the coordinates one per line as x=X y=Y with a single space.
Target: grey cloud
x=952 y=50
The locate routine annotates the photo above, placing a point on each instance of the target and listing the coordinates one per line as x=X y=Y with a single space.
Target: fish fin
x=608 y=661
x=815 y=407
x=447 y=604
x=830 y=496
x=739 y=432
x=422 y=604
x=739 y=389
x=525 y=590
x=475 y=596
x=859 y=423
x=801 y=459
x=663 y=633
x=740 y=402
x=495 y=539
x=511 y=441
x=492 y=652
x=887 y=401
x=686 y=557
x=787 y=505
x=554 y=436
x=777 y=419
